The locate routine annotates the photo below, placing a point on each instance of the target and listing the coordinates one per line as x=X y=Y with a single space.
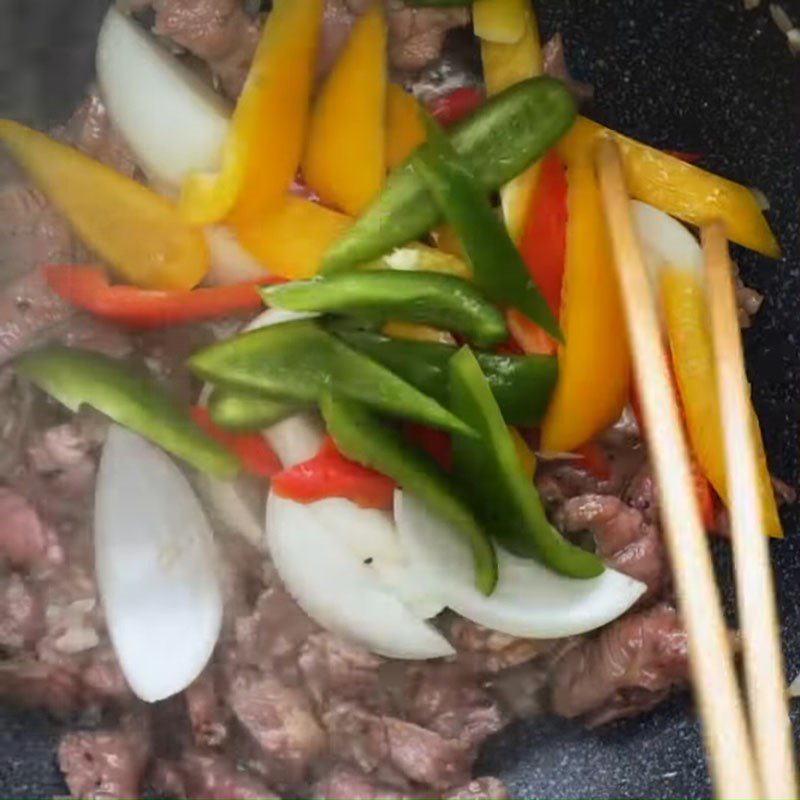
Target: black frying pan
x=697 y=75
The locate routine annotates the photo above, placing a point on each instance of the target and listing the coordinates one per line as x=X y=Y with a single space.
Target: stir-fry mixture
x=321 y=461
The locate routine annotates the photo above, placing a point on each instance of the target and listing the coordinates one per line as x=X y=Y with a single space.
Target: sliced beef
x=207 y=714
x=479 y=789
x=625 y=669
x=484 y=650
x=21 y=613
x=103 y=679
x=204 y=775
x=345 y=783
x=450 y=701
x=50 y=687
x=281 y=721
x=555 y=64
x=335 y=670
x=625 y=540
x=26 y=541
x=106 y=763
x=357 y=736
x=219 y=32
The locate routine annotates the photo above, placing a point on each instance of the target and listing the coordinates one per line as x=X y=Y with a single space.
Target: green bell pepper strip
x=362 y=437
x=79 y=377
x=505 y=499
x=244 y=411
x=521 y=385
x=296 y=361
x=498 y=142
x=446 y=302
x=497 y=266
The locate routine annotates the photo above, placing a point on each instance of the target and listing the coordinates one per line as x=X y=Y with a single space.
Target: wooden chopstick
x=716 y=690
x=758 y=616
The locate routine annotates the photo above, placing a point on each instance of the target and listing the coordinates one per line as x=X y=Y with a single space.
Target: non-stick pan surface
x=698 y=75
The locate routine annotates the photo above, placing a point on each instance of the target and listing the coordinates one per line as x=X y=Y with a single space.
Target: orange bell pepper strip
x=292 y=240
x=680 y=189
x=138 y=233
x=594 y=362
x=330 y=474
x=268 y=127
x=686 y=316
x=511 y=51
x=87 y=287
x=345 y=161
x=404 y=129
x=252 y=450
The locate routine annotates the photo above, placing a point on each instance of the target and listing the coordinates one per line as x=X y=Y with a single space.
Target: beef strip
x=207 y=713
x=346 y=783
x=21 y=613
x=479 y=789
x=625 y=540
x=625 y=669
x=26 y=541
x=555 y=64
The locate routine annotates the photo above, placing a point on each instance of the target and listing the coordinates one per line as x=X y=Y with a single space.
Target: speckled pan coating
x=698 y=75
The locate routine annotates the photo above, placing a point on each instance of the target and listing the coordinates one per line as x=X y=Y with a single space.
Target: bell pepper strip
x=594 y=461
x=404 y=130
x=236 y=410
x=292 y=239
x=525 y=456
x=362 y=437
x=87 y=287
x=437 y=444
x=530 y=338
x=683 y=299
x=499 y=20
x=268 y=127
x=497 y=267
x=504 y=137
x=679 y=189
x=425 y=297
x=297 y=361
x=78 y=377
x=416 y=333
x=137 y=232
x=521 y=384
x=345 y=160
x=594 y=364
x=452 y=107
x=330 y=474
x=505 y=499
x=684 y=155
x=252 y=450
x=446 y=240
x=506 y=62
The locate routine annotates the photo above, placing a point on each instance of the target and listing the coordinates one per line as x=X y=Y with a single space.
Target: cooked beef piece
x=205 y=775
x=345 y=783
x=102 y=677
x=26 y=541
x=207 y=714
x=335 y=670
x=31 y=684
x=450 y=701
x=416 y=35
x=625 y=540
x=281 y=721
x=626 y=668
x=357 y=737
x=107 y=763
x=555 y=64
x=479 y=789
x=484 y=650
x=21 y=613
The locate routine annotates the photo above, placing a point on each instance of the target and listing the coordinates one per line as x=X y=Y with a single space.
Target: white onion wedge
x=334 y=586
x=156 y=567
x=232 y=506
x=665 y=241
x=529 y=600
x=173 y=121
x=277 y=316
x=230 y=262
x=296 y=439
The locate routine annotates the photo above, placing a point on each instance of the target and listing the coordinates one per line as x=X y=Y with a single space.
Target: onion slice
x=230 y=262
x=529 y=600
x=665 y=241
x=156 y=567
x=172 y=120
x=338 y=587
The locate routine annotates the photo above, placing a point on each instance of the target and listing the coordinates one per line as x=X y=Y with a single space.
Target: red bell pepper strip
x=253 y=452
x=88 y=288
x=594 y=460
x=684 y=155
x=330 y=474
x=456 y=105
x=438 y=444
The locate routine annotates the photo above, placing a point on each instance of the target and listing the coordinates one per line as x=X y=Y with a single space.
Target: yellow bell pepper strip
x=498 y=20
x=416 y=333
x=683 y=299
x=404 y=130
x=504 y=64
x=139 y=234
x=268 y=128
x=679 y=189
x=345 y=162
x=594 y=364
x=292 y=240
x=526 y=457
